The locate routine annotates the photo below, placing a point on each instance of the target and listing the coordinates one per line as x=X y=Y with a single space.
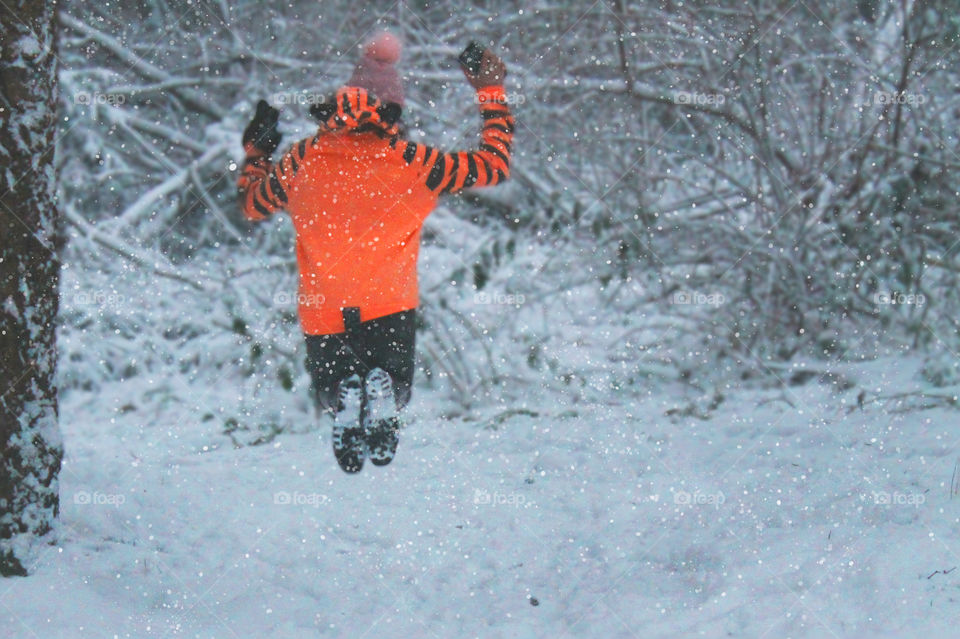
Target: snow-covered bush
x=725 y=182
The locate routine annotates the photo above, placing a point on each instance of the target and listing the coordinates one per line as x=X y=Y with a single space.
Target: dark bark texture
x=29 y=283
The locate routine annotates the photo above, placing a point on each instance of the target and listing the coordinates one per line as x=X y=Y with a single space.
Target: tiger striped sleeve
x=487 y=166
x=263 y=185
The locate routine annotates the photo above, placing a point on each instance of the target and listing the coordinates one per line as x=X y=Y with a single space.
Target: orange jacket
x=358 y=195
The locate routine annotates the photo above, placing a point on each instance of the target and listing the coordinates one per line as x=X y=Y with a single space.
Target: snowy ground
x=620 y=504
x=779 y=513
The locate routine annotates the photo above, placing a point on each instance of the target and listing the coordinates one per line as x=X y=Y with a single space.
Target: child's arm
x=487 y=166
x=261 y=183
x=490 y=164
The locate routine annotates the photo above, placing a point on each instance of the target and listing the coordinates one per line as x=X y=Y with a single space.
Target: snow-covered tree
x=793 y=164
x=29 y=282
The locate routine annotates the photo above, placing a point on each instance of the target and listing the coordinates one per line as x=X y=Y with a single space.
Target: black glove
x=262 y=131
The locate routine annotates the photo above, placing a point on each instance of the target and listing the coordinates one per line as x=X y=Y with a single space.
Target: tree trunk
x=29 y=282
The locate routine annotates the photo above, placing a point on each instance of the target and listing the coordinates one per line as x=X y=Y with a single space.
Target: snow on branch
x=157 y=264
x=143 y=207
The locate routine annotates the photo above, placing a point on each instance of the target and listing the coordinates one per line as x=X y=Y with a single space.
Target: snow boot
x=380 y=420
x=348 y=445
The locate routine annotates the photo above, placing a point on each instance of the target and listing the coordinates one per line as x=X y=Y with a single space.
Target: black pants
x=386 y=342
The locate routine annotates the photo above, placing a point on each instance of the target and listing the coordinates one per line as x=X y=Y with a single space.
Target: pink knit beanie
x=376 y=71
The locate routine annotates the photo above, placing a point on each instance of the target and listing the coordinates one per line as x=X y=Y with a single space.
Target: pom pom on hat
x=384 y=47
x=376 y=71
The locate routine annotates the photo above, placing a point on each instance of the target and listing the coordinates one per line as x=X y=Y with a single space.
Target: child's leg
x=329 y=360
x=389 y=343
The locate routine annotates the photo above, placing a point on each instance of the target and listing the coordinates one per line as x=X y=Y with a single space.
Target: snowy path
x=619 y=520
